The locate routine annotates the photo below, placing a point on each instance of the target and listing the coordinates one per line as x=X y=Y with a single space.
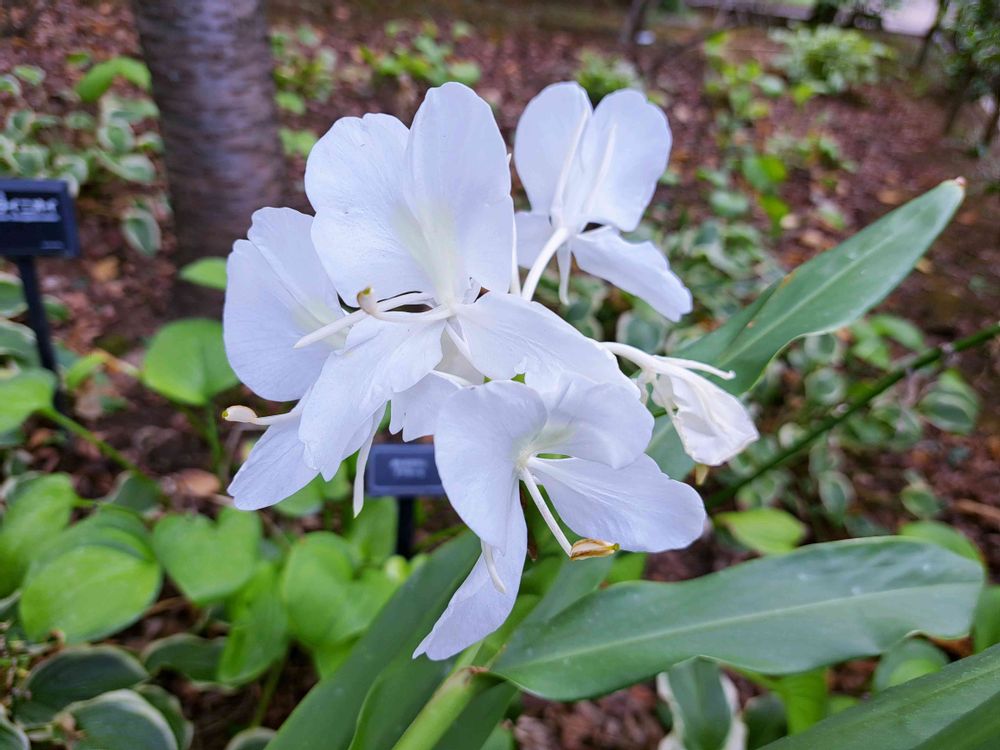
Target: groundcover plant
x=404 y=294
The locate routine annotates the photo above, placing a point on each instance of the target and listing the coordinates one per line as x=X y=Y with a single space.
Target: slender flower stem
x=71 y=425
x=444 y=707
x=559 y=236
x=864 y=398
x=267 y=692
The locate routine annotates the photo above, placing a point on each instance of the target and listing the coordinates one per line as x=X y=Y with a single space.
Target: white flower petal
x=638 y=268
x=478 y=608
x=603 y=422
x=363 y=228
x=275 y=469
x=458 y=188
x=276 y=292
x=533 y=231
x=508 y=336
x=381 y=358
x=622 y=155
x=415 y=410
x=637 y=506
x=480 y=435
x=545 y=141
x=713 y=425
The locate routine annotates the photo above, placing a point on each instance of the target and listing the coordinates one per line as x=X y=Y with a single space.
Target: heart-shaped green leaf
x=186 y=362
x=22 y=394
x=91 y=580
x=37 y=510
x=208 y=561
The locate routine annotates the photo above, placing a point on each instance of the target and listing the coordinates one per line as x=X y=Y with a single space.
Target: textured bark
x=212 y=81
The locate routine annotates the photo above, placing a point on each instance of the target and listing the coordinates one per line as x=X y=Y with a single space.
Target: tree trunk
x=212 y=78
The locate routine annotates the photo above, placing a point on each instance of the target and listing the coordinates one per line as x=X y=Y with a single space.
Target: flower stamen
x=413 y=298
x=550 y=520
x=491 y=566
x=246 y=415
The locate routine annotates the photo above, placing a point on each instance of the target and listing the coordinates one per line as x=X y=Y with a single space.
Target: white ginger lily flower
x=277 y=291
x=713 y=424
x=582 y=166
x=422 y=216
x=491 y=437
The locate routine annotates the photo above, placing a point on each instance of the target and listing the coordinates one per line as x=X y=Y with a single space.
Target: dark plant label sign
x=37 y=219
x=403 y=470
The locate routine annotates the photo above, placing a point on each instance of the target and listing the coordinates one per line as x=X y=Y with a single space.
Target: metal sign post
x=405 y=471
x=37 y=220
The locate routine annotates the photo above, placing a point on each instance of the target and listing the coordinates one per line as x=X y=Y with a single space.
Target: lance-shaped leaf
x=778 y=615
x=325 y=719
x=829 y=291
x=957 y=708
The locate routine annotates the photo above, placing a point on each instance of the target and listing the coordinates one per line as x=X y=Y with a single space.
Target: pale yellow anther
x=700 y=474
x=587 y=548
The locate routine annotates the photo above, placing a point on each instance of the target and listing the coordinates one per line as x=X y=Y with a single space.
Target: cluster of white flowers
x=416 y=230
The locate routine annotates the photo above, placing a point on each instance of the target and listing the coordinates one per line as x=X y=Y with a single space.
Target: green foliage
x=259 y=633
x=953 y=709
x=297 y=142
x=207 y=561
x=38 y=508
x=830 y=290
x=22 y=394
x=817 y=594
x=830 y=60
x=99 y=78
x=90 y=580
x=974 y=61
x=702 y=717
x=768 y=531
x=906 y=661
x=420 y=56
x=76 y=674
x=186 y=362
x=84 y=150
x=304 y=68
x=601 y=75
x=207 y=272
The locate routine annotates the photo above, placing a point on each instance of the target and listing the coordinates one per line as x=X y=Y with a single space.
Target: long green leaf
x=778 y=615
x=957 y=708
x=325 y=719
x=829 y=291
